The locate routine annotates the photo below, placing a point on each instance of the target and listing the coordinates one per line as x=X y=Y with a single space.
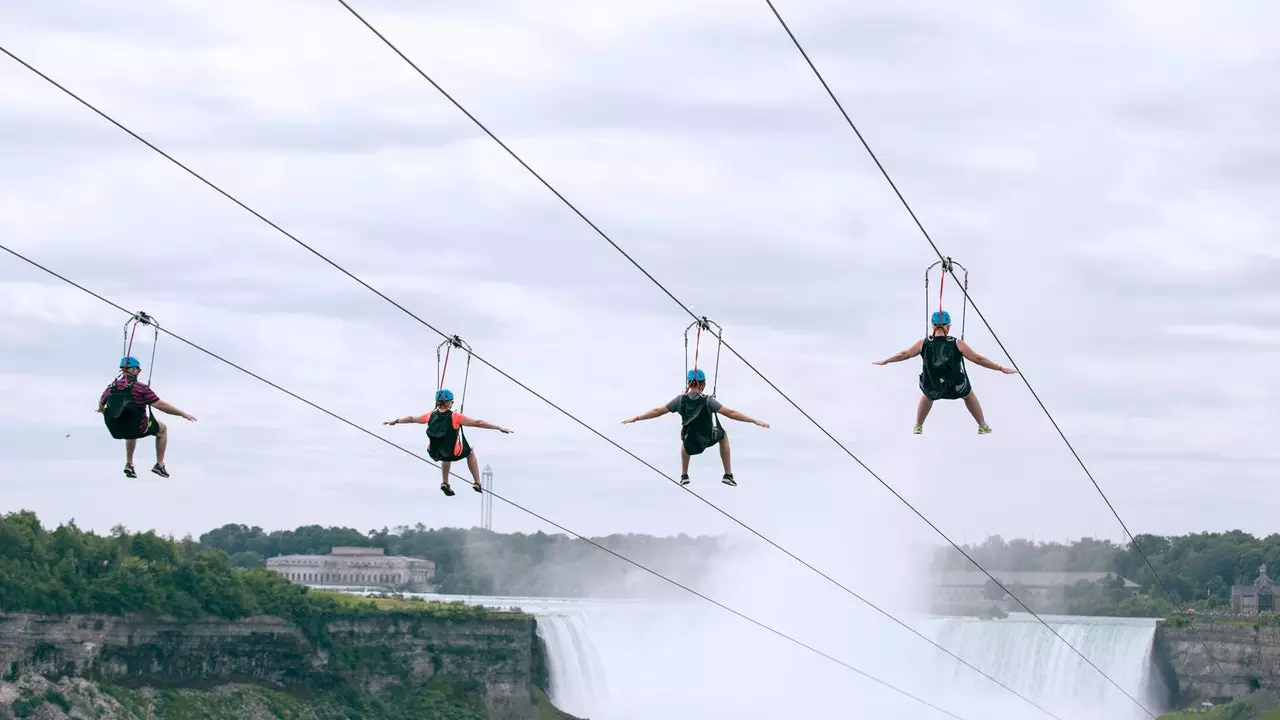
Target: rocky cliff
x=1249 y=656
x=500 y=657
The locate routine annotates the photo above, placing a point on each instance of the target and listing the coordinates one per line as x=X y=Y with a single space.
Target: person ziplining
x=943 y=376
x=446 y=441
x=700 y=413
x=126 y=403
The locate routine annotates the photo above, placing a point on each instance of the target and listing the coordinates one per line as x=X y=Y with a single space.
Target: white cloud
x=1096 y=199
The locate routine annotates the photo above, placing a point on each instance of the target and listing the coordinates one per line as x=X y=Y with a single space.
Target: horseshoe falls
x=636 y=661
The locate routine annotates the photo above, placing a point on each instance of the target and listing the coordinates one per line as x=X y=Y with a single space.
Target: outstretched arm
x=415 y=419
x=165 y=407
x=656 y=412
x=472 y=422
x=735 y=415
x=907 y=354
x=977 y=359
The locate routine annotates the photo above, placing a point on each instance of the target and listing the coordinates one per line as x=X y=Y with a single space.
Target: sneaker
x=129 y=471
x=984 y=429
x=728 y=480
x=159 y=470
x=684 y=479
x=919 y=429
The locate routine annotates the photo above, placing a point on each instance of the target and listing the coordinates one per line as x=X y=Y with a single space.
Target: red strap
x=129 y=350
x=697 y=345
x=941 y=282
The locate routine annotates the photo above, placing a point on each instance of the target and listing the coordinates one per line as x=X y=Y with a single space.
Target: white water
x=677 y=661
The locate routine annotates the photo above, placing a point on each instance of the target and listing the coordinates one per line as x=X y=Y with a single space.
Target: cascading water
x=577 y=675
x=641 y=662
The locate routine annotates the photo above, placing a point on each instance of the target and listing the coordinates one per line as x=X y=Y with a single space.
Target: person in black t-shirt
x=943 y=376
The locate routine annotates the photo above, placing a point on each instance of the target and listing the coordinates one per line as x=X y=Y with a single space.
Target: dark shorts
x=947 y=392
x=439 y=457
x=153 y=428
x=694 y=446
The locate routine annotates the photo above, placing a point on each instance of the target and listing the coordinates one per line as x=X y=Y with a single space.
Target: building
x=356 y=566
x=1255 y=598
x=960 y=590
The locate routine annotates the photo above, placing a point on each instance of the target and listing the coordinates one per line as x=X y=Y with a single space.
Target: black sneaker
x=129 y=471
x=728 y=480
x=684 y=479
x=159 y=470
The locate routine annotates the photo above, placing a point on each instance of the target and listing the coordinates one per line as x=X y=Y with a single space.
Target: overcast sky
x=1107 y=171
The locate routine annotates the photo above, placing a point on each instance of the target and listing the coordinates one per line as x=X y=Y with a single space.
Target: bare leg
x=724 y=455
x=975 y=409
x=129 y=446
x=444 y=472
x=162 y=442
x=684 y=461
x=473 y=465
x=922 y=410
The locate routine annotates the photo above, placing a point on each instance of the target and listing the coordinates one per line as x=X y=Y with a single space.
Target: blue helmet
x=129 y=362
x=444 y=395
x=695 y=375
x=942 y=317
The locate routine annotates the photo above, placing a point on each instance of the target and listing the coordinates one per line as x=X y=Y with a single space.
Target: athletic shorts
x=693 y=446
x=949 y=392
x=153 y=428
x=466 y=453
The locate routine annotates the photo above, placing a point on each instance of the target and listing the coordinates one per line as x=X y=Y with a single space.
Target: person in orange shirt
x=446 y=443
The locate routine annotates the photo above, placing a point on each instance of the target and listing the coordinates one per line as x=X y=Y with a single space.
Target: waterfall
x=644 y=662
x=578 y=678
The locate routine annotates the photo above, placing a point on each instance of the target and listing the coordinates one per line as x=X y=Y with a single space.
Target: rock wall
x=502 y=655
x=1249 y=656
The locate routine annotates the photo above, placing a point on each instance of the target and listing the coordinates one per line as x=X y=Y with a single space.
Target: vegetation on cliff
x=1258 y=706
x=36 y=696
x=481 y=562
x=69 y=570
x=1199 y=568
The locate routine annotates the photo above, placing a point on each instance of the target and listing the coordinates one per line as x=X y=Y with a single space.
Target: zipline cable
x=1132 y=540
x=512 y=503
x=533 y=392
x=731 y=349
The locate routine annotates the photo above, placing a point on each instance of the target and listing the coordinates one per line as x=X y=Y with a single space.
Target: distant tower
x=486 y=501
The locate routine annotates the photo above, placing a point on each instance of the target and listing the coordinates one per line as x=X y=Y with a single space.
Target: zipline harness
x=448 y=345
x=703 y=324
x=439 y=430
x=131 y=329
x=121 y=413
x=947 y=267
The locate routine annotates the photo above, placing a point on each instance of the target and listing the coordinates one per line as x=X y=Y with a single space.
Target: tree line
x=482 y=562
x=1199 y=569
x=70 y=570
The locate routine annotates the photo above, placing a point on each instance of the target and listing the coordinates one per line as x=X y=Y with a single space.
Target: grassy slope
x=1260 y=706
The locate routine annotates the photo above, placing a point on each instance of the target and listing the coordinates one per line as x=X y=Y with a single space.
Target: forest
x=1198 y=569
x=70 y=570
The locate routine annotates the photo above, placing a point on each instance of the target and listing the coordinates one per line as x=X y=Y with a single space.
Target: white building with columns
x=356 y=566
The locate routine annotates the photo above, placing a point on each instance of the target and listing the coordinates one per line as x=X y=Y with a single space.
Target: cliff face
x=499 y=656
x=1249 y=656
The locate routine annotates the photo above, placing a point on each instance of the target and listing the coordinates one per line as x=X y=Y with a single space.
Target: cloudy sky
x=1107 y=171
